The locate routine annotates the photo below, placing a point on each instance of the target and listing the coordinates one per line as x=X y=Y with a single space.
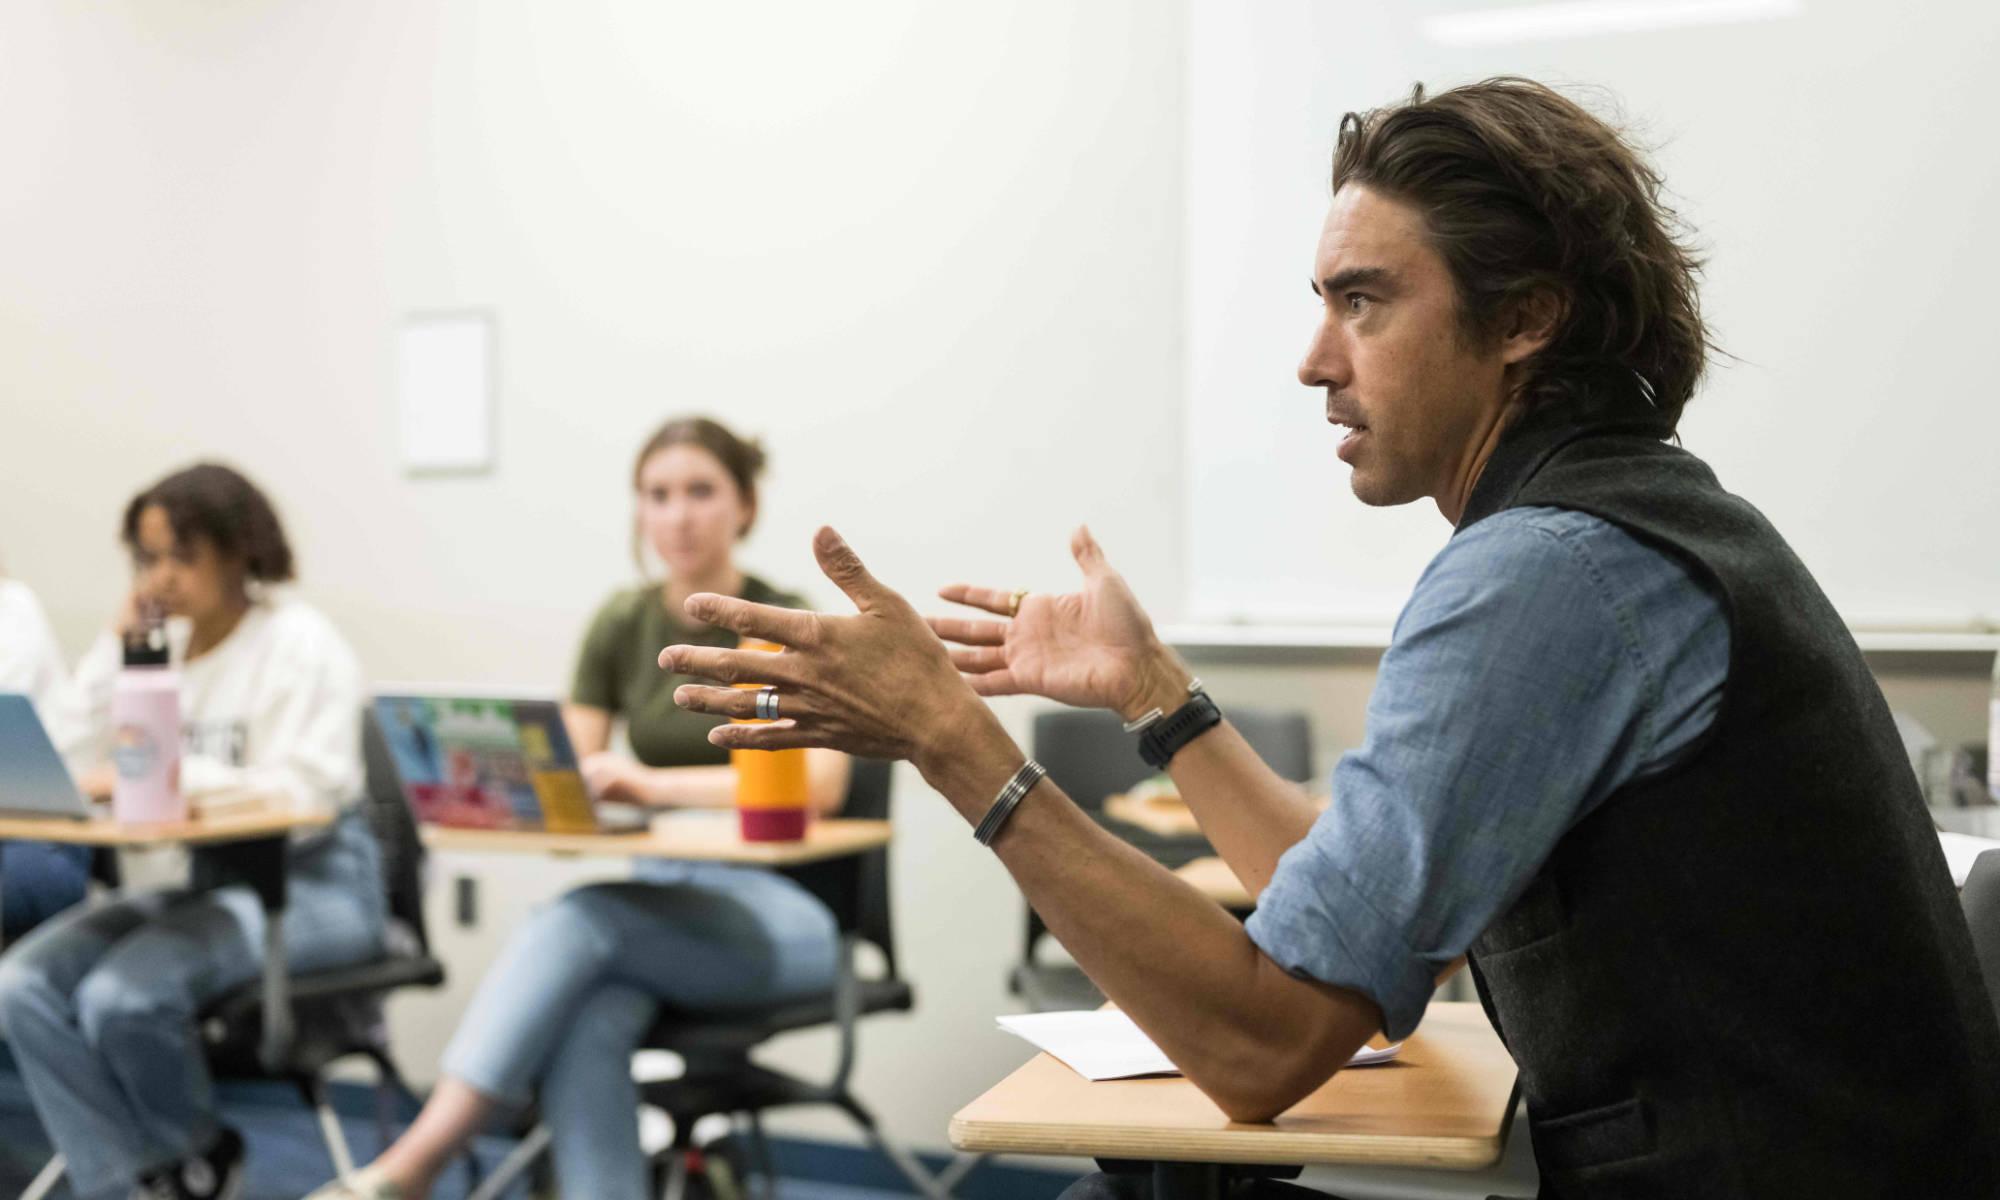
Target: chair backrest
x=395 y=829
x=1091 y=757
x=1088 y=754
x=856 y=887
x=1980 y=898
x=1281 y=737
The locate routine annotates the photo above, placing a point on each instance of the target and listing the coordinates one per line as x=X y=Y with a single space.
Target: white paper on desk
x=1961 y=850
x=1103 y=1044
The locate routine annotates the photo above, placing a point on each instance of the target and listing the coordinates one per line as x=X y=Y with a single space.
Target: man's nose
x=1325 y=362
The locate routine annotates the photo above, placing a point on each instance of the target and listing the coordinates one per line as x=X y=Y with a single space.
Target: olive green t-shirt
x=619 y=671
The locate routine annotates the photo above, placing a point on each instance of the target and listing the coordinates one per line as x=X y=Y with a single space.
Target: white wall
x=929 y=252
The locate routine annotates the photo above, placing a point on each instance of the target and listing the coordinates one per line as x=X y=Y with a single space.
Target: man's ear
x=1533 y=320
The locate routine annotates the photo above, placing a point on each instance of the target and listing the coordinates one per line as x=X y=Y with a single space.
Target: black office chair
x=1091 y=757
x=338 y=1014
x=1980 y=900
x=721 y=1078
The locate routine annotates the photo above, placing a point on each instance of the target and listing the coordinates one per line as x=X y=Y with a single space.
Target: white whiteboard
x=1841 y=165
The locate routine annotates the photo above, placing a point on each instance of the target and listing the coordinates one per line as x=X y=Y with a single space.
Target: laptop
x=492 y=762
x=34 y=781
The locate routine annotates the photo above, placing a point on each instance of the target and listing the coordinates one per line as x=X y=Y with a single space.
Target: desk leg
x=1187 y=1181
x=1200 y=1181
x=277 y=1043
x=259 y=863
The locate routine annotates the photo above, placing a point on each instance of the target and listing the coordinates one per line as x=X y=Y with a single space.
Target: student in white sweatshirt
x=37 y=879
x=99 y=1004
x=30 y=659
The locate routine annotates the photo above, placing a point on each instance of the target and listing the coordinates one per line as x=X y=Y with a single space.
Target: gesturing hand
x=877 y=683
x=1095 y=648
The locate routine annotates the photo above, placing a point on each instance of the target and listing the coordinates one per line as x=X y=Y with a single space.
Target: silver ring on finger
x=767 y=704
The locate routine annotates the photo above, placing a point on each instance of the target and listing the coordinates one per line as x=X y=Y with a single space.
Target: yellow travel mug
x=771 y=801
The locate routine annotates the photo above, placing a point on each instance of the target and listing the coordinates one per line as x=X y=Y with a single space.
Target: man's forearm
x=1249 y=813
x=1250 y=1036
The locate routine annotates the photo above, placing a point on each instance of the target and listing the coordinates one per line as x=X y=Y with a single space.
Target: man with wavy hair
x=1622 y=756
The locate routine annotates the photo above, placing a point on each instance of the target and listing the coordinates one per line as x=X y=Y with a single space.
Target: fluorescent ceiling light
x=1587 y=18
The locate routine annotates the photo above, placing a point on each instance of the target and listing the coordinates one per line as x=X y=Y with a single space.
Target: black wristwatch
x=1161 y=736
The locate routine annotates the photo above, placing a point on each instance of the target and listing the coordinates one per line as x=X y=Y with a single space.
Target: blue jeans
x=99 y=1003
x=37 y=881
x=575 y=991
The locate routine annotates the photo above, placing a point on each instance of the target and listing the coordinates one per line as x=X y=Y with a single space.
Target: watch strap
x=1164 y=738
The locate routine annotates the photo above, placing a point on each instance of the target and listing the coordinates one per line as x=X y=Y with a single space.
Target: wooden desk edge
x=1264 y=1144
x=1211 y=876
x=198 y=831
x=986 y=1123
x=1163 y=821
x=857 y=836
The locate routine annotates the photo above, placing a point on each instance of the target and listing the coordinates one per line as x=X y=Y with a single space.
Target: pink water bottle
x=146 y=733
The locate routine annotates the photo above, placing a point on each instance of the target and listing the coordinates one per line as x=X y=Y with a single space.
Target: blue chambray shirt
x=1546 y=659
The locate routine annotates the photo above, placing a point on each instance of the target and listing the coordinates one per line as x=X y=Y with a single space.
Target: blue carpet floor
x=288 y=1159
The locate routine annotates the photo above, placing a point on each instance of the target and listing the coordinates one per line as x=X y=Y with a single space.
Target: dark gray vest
x=1749 y=978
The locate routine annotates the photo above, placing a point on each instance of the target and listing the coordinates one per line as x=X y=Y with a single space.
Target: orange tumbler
x=770 y=784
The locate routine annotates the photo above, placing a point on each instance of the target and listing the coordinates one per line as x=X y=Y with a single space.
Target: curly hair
x=217 y=504
x=1524 y=191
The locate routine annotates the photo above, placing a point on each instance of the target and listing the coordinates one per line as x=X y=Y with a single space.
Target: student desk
x=711 y=838
x=1163 y=817
x=1213 y=878
x=1446 y=1101
x=229 y=848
